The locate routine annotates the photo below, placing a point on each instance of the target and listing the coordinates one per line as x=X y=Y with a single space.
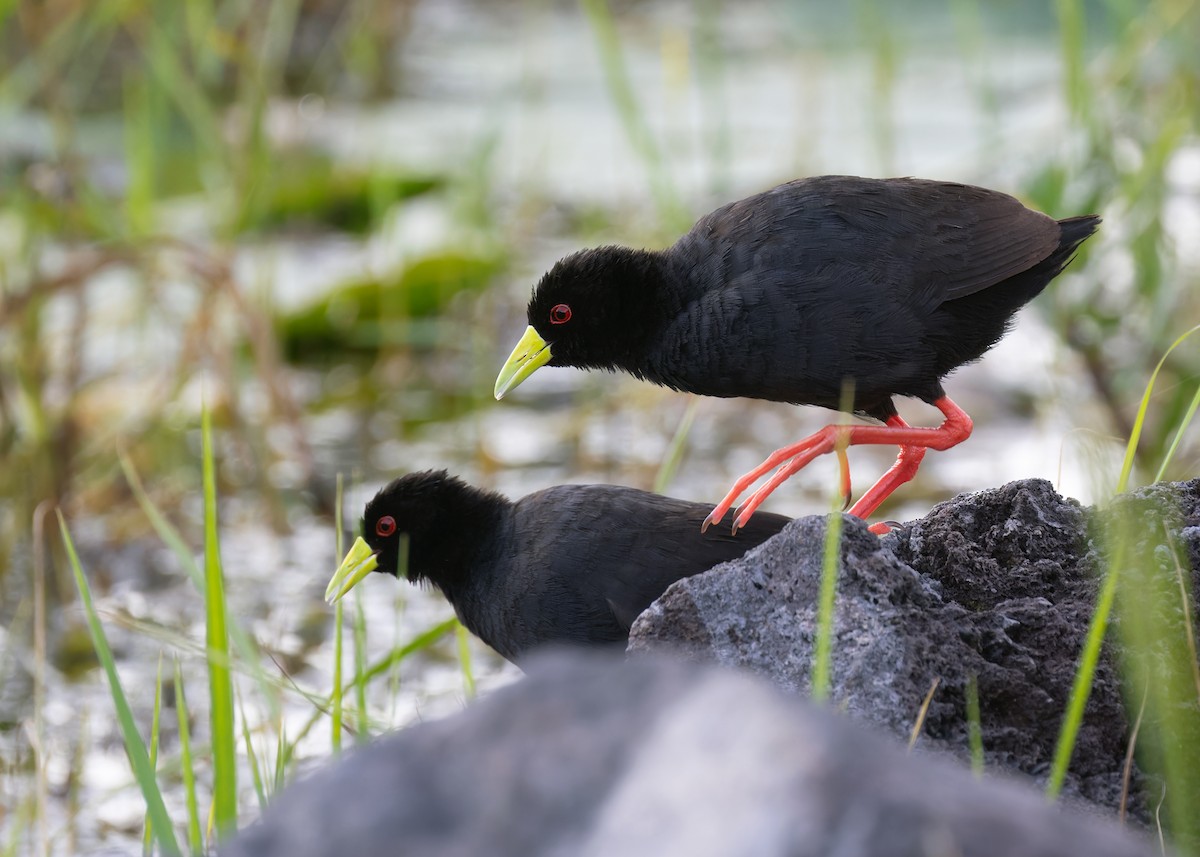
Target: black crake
x=789 y=295
x=569 y=564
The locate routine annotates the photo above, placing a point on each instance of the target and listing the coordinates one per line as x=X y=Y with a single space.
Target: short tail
x=1076 y=230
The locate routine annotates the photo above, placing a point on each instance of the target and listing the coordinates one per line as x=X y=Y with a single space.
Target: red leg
x=902 y=471
x=913 y=442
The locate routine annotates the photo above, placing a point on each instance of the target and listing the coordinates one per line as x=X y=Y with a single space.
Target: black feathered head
x=423 y=526
x=595 y=309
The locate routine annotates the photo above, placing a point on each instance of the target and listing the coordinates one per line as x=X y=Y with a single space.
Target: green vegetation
x=308 y=190
x=157 y=155
x=225 y=730
x=1157 y=629
x=1134 y=111
x=135 y=747
x=400 y=309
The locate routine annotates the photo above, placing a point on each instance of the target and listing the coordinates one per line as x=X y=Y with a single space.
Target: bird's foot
x=913 y=443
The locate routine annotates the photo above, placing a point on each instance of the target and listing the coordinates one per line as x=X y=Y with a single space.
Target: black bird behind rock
x=571 y=564
x=813 y=290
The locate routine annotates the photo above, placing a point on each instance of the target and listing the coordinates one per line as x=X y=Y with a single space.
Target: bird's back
x=792 y=291
x=578 y=563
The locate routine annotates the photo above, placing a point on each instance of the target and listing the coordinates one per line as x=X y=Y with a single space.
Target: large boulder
x=996 y=588
x=590 y=756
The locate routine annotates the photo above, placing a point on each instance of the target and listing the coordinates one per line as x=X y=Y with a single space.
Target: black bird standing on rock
x=570 y=564
x=878 y=287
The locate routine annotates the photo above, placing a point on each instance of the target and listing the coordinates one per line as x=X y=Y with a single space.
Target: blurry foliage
x=147 y=150
x=1156 y=610
x=81 y=54
x=307 y=189
x=364 y=316
x=76 y=385
x=1135 y=112
x=128 y=109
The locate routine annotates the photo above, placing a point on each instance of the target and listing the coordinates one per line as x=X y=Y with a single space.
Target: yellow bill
x=359 y=562
x=531 y=353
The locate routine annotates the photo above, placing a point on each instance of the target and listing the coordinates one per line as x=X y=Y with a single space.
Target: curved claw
x=719 y=511
x=738 y=523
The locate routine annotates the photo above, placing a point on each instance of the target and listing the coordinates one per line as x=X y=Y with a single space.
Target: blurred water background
x=321 y=221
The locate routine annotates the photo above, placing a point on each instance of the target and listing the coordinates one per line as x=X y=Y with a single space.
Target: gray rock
x=590 y=756
x=998 y=585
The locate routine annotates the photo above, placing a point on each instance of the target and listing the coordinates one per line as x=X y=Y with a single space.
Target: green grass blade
x=830 y=561
x=422 y=641
x=335 y=713
x=148 y=836
x=140 y=155
x=1072 y=26
x=363 y=720
x=167 y=71
x=139 y=760
x=463 y=639
x=608 y=42
x=255 y=773
x=1183 y=424
x=21 y=819
x=220 y=683
x=393 y=674
x=161 y=525
x=187 y=766
x=419 y=643
x=1183 y=427
x=1082 y=687
x=1143 y=407
x=338 y=615
x=823 y=645
x=1159 y=654
x=974 y=727
x=676 y=448
x=283 y=752
x=360 y=658
x=1098 y=626
x=247 y=649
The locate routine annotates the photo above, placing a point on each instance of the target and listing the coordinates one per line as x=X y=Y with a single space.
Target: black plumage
x=877 y=286
x=570 y=564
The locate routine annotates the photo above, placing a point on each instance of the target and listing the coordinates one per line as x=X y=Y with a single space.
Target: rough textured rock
x=590 y=756
x=999 y=586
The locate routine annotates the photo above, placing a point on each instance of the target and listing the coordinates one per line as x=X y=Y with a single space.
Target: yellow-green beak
x=359 y=562
x=531 y=353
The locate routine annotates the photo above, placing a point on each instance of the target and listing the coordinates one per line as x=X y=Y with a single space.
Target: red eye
x=561 y=314
x=385 y=526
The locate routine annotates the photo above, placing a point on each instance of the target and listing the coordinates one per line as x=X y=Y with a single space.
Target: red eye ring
x=560 y=314
x=385 y=526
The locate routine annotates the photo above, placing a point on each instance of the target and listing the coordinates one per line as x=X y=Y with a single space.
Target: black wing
x=609 y=551
x=937 y=241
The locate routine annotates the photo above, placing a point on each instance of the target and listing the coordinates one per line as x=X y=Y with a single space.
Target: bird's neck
x=447 y=555
x=646 y=289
